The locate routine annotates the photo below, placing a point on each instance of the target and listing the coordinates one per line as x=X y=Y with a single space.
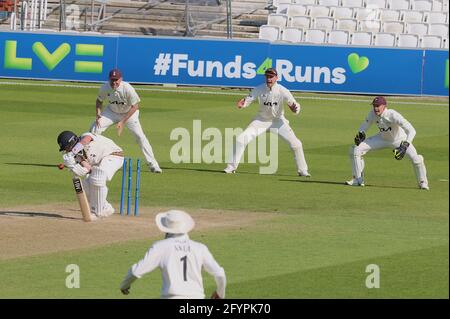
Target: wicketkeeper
x=95 y=157
x=395 y=133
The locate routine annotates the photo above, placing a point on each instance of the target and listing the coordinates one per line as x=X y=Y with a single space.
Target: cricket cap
x=115 y=74
x=379 y=100
x=271 y=72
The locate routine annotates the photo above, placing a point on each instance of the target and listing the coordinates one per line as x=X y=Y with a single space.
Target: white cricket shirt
x=121 y=99
x=181 y=261
x=98 y=148
x=271 y=101
x=391 y=124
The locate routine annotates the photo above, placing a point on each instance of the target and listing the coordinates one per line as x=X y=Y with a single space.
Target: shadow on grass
x=34 y=164
x=342 y=184
x=220 y=171
x=34 y=214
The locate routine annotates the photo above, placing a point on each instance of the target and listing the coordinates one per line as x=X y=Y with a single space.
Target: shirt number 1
x=184 y=260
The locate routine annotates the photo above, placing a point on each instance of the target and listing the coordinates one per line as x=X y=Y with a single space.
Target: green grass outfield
x=324 y=234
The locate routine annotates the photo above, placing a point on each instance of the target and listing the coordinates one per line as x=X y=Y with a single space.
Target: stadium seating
x=384 y=39
x=324 y=23
x=408 y=40
x=347 y=24
x=302 y=22
x=436 y=17
x=417 y=28
x=412 y=16
x=370 y=26
x=393 y=27
x=352 y=3
x=329 y=3
x=390 y=15
x=400 y=4
x=440 y=29
x=296 y=10
x=423 y=5
x=279 y=20
x=401 y=23
x=315 y=36
x=431 y=41
x=269 y=32
x=376 y=3
x=361 y=38
x=338 y=37
x=292 y=35
x=318 y=11
x=342 y=13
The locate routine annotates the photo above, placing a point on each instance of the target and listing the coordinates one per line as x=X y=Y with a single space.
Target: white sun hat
x=174 y=222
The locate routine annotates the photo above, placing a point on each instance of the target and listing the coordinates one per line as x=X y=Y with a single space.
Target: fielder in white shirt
x=97 y=158
x=180 y=259
x=271 y=97
x=395 y=133
x=123 y=109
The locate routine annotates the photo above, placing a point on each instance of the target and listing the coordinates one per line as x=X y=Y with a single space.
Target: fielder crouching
x=95 y=157
x=395 y=132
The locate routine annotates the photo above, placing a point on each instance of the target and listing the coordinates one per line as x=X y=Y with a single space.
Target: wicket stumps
x=128 y=163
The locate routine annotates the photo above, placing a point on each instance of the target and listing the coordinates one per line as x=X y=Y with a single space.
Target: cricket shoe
x=229 y=169
x=154 y=168
x=424 y=186
x=304 y=174
x=107 y=211
x=355 y=182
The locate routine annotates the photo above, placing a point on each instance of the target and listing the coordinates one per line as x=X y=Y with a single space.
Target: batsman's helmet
x=67 y=140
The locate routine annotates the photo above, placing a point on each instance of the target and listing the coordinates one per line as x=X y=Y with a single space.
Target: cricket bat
x=82 y=200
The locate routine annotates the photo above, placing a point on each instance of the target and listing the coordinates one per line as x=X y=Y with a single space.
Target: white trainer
x=355 y=182
x=230 y=169
x=154 y=168
x=424 y=186
x=108 y=210
x=303 y=174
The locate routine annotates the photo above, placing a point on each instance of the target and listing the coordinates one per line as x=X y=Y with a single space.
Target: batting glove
x=69 y=160
x=79 y=170
x=360 y=137
x=400 y=151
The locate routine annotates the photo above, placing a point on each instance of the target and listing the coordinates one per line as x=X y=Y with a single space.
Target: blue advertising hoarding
x=56 y=56
x=228 y=63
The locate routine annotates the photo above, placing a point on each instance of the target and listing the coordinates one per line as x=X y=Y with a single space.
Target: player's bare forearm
x=98 y=108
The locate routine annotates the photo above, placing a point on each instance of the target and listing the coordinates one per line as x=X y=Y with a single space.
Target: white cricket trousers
x=376 y=142
x=258 y=127
x=109 y=118
x=95 y=184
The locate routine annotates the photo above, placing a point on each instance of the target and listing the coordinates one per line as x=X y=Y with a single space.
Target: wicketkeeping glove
x=400 y=151
x=361 y=136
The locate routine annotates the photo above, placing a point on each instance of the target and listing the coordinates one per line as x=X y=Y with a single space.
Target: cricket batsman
x=395 y=132
x=95 y=157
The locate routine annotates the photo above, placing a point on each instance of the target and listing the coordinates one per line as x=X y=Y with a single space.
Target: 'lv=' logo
x=52 y=59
